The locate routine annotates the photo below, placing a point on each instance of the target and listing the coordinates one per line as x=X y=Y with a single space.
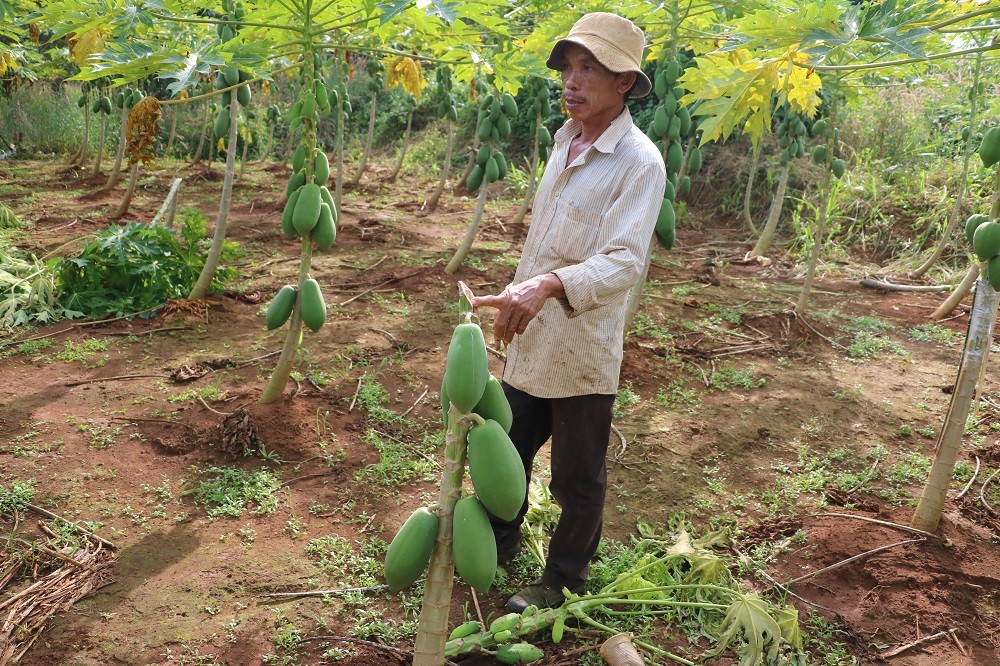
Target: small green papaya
x=280 y=308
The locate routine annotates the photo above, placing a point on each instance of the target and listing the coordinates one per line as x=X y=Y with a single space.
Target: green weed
x=84 y=352
x=229 y=491
x=399 y=462
x=932 y=333
x=625 y=398
x=26 y=348
x=727 y=378
x=16 y=497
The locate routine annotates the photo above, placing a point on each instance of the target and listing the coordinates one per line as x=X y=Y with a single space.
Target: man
x=562 y=318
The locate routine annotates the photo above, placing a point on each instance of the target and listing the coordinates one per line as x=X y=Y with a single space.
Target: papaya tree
x=411 y=105
x=448 y=113
x=376 y=82
x=103 y=103
x=497 y=111
x=539 y=110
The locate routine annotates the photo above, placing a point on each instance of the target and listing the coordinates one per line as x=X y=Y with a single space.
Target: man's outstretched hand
x=519 y=303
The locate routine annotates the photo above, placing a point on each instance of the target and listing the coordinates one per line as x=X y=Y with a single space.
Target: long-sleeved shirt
x=591 y=225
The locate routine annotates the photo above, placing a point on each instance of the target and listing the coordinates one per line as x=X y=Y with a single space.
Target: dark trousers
x=579 y=427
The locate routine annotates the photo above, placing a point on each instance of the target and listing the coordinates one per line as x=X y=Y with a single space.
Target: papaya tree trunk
x=173 y=132
x=368 y=142
x=204 y=133
x=445 y=170
x=267 y=147
x=243 y=157
x=824 y=206
x=218 y=238
x=957 y=295
x=470 y=234
x=406 y=144
x=977 y=346
x=432 y=631
x=773 y=215
x=283 y=368
x=532 y=177
x=81 y=155
x=747 y=217
x=116 y=170
x=100 y=147
x=338 y=190
x=129 y=192
x=956 y=210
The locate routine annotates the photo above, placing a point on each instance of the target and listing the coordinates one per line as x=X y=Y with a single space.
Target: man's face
x=590 y=90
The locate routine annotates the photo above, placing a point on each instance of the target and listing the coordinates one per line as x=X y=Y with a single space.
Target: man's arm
x=519 y=303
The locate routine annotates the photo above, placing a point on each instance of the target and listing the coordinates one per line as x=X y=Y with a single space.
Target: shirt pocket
x=578 y=232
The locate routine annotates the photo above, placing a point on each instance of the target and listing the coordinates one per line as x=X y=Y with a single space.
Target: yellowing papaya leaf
x=800 y=86
x=406 y=73
x=788 y=621
x=85 y=45
x=748 y=619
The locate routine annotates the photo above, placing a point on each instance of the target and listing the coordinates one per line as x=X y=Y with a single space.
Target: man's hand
x=519 y=303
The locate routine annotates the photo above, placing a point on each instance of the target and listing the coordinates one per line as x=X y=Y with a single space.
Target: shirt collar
x=605 y=143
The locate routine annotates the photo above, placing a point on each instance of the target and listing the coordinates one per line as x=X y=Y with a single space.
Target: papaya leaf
x=197 y=62
x=748 y=619
x=788 y=621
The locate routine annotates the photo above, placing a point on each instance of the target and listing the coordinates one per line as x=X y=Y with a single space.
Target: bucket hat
x=615 y=41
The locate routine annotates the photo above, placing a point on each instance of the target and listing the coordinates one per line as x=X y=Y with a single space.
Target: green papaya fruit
x=986 y=241
x=675 y=157
x=299 y=157
x=321 y=168
x=508 y=105
x=466 y=369
x=475 y=178
x=666 y=219
x=410 y=550
x=819 y=154
x=496 y=470
x=243 y=95
x=501 y=165
x=312 y=307
x=473 y=544
x=661 y=121
x=694 y=160
x=485 y=128
x=492 y=170
x=231 y=75
x=325 y=231
x=307 y=208
x=838 y=167
x=973 y=223
x=989 y=149
x=286 y=216
x=993 y=273
x=280 y=308
x=819 y=127
x=494 y=405
x=297 y=180
x=222 y=123
x=672 y=71
x=660 y=84
x=483 y=155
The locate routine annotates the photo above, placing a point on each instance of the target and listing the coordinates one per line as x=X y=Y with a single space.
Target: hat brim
x=608 y=56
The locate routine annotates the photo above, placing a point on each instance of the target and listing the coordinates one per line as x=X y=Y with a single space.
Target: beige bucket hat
x=616 y=42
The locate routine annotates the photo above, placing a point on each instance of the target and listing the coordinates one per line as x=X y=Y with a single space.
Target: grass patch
x=399 y=462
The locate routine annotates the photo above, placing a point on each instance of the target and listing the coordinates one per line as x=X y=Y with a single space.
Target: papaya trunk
x=817 y=245
x=368 y=142
x=635 y=293
x=267 y=147
x=129 y=192
x=81 y=155
x=100 y=146
x=116 y=170
x=283 y=368
x=173 y=132
x=470 y=235
x=204 y=133
x=773 y=215
x=747 y=217
x=338 y=193
x=406 y=144
x=445 y=170
x=956 y=210
x=201 y=287
x=532 y=177
x=977 y=346
x=957 y=295
x=432 y=631
x=169 y=205
x=243 y=159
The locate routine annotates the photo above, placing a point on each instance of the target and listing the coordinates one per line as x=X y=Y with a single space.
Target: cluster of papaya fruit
x=312 y=307
x=338 y=96
x=234 y=13
x=101 y=103
x=227 y=77
x=495 y=468
x=309 y=209
x=126 y=98
x=442 y=93
x=496 y=113
x=540 y=107
x=501 y=630
x=273 y=114
x=376 y=75
x=793 y=134
x=671 y=124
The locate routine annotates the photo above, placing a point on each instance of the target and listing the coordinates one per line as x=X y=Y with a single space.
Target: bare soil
x=188 y=589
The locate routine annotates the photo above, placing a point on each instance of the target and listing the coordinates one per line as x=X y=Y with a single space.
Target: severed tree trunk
x=215 y=251
x=432 y=632
x=116 y=170
x=956 y=210
x=773 y=215
x=470 y=235
x=129 y=192
x=436 y=196
x=747 y=217
x=368 y=143
x=406 y=144
x=100 y=147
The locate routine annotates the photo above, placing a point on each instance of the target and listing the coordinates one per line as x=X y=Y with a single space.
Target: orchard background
x=806 y=433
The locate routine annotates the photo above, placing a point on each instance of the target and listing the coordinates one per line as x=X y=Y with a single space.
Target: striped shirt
x=591 y=225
